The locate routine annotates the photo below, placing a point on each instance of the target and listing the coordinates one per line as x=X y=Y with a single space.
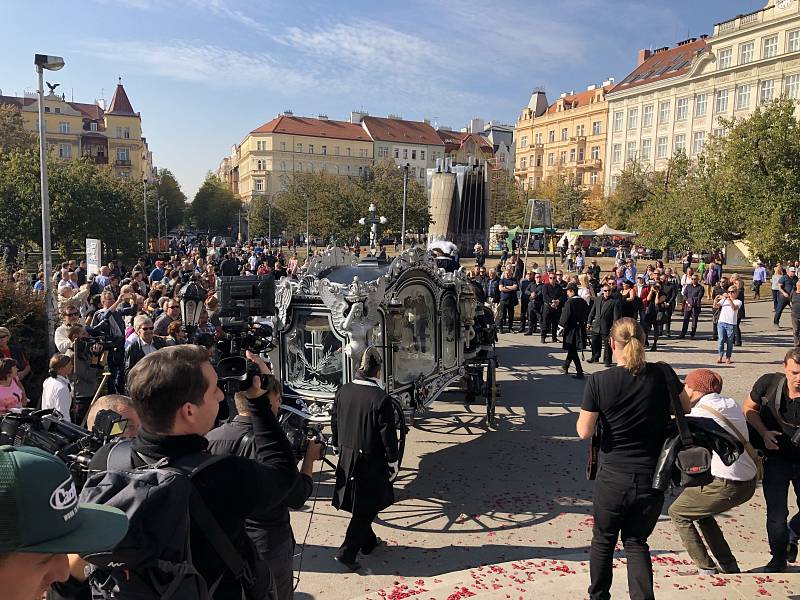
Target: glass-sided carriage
x=425 y=321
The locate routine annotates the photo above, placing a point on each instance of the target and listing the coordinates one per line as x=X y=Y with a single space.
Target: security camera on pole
x=50 y=63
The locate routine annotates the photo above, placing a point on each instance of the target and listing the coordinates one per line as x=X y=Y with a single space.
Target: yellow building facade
x=673 y=100
x=264 y=162
x=564 y=139
x=105 y=135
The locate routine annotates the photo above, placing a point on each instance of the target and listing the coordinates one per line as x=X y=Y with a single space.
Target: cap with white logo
x=39 y=510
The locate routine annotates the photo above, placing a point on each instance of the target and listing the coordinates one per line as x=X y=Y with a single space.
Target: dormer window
x=92 y=126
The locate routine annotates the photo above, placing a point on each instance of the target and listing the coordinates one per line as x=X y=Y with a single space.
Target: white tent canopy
x=573 y=234
x=609 y=231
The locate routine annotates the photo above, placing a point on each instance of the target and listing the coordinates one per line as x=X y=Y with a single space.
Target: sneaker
x=707 y=572
x=791 y=552
x=775 y=566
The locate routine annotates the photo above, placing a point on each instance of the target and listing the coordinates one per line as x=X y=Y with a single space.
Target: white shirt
x=743 y=469
x=56 y=393
x=728 y=311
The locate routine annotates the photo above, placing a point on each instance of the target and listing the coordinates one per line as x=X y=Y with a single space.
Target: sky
x=203 y=73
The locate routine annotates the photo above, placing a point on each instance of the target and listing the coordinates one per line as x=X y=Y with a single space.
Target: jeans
x=778 y=474
x=725 y=332
x=775 y=295
x=783 y=302
x=623 y=504
x=700 y=504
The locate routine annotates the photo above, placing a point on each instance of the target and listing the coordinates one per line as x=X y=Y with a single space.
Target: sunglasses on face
x=3 y=336
x=146 y=328
x=71 y=314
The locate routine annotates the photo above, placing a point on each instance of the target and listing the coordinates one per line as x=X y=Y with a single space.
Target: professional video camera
x=47 y=430
x=244 y=301
x=300 y=424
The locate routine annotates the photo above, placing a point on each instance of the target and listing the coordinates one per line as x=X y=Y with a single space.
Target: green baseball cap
x=39 y=510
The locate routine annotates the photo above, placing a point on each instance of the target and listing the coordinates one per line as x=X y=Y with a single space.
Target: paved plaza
x=506 y=513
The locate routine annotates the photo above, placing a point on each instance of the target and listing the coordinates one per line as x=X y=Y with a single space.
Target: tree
x=262 y=219
x=508 y=203
x=13 y=135
x=383 y=184
x=20 y=213
x=634 y=187
x=570 y=200
x=173 y=200
x=214 y=207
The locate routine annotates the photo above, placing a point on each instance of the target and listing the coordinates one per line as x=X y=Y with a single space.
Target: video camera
x=300 y=425
x=47 y=430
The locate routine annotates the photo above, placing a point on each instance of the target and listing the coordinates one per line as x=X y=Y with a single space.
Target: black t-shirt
x=789 y=409
x=634 y=415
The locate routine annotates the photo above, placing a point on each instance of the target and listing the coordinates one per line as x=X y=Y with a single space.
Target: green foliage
x=172 y=197
x=508 y=204
x=383 y=185
x=13 y=135
x=214 y=207
x=22 y=311
x=20 y=212
x=259 y=216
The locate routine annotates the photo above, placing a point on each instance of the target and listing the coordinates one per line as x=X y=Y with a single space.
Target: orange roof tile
x=290 y=125
x=578 y=100
x=453 y=140
x=664 y=64
x=120 y=105
x=401 y=131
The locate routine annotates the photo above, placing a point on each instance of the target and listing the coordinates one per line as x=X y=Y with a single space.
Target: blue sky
x=205 y=72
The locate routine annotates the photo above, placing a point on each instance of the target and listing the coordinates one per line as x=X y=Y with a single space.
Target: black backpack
x=154 y=559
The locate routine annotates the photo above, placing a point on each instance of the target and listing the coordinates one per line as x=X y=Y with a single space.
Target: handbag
x=755 y=455
x=594 y=454
x=692 y=465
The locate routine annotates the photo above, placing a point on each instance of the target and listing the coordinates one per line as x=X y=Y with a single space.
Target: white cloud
x=200 y=63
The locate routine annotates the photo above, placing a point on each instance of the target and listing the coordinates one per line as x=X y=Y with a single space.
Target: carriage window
x=449 y=333
x=314 y=358
x=416 y=351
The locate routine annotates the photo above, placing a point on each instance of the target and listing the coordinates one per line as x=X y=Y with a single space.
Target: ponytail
x=57 y=362
x=629 y=336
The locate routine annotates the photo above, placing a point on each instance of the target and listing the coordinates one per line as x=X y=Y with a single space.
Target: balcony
x=742 y=21
x=98 y=159
x=122 y=162
x=590 y=163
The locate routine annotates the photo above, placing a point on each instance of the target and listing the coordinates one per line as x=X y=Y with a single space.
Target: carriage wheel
x=491 y=390
x=401 y=426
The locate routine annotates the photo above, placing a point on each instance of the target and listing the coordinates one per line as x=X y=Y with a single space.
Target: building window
x=682 y=109
x=661 y=147
x=793 y=41
x=767 y=91
x=92 y=126
x=593 y=178
x=793 y=86
x=413 y=155
x=580 y=130
x=299 y=147
x=630 y=153
x=720 y=132
x=363 y=153
x=397 y=152
x=616 y=154
x=597 y=128
x=579 y=177
x=348 y=151
x=770 y=47
x=724 y=58
x=122 y=154
x=700 y=105
x=259 y=185
x=618 y=116
x=311 y=148
x=65 y=150
x=126 y=133
x=564 y=134
x=299 y=168
x=63 y=127
x=647 y=146
x=119 y=132
x=647 y=116
x=595 y=152
x=633 y=118
x=743 y=96
x=551 y=135
x=283 y=146
x=261 y=164
x=551 y=159
x=283 y=165
x=324 y=150
x=746 y=52
x=614 y=180
x=572 y=155
x=538 y=160
x=680 y=143
x=663 y=111
x=405 y=152
x=57 y=110
x=581 y=154
x=538 y=138
x=698 y=141
x=422 y=154
x=523 y=142
x=563 y=157
x=721 y=101
x=523 y=163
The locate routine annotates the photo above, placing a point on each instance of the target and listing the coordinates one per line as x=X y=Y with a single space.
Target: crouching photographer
x=187 y=508
x=271 y=528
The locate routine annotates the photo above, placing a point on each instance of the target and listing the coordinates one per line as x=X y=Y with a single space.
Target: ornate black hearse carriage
x=429 y=325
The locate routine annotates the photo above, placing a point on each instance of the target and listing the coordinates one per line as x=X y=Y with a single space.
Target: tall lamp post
x=405 y=199
x=50 y=63
x=373 y=220
x=308 y=240
x=144 y=201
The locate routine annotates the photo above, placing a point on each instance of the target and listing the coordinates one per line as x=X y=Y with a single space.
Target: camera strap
x=773 y=400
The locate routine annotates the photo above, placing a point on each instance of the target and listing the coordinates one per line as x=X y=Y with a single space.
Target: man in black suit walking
x=601 y=318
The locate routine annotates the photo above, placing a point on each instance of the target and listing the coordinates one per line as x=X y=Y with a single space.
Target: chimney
x=643 y=56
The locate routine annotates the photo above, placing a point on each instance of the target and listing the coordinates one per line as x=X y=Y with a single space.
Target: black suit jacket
x=603 y=314
x=135 y=353
x=573 y=320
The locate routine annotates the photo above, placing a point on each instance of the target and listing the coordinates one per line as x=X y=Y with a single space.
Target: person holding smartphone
x=728 y=305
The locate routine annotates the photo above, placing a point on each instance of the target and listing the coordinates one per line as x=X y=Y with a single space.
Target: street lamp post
x=405 y=199
x=158 y=218
x=51 y=63
x=144 y=201
x=373 y=220
x=308 y=240
x=269 y=223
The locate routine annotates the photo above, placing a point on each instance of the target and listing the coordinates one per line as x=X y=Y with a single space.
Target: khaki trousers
x=700 y=504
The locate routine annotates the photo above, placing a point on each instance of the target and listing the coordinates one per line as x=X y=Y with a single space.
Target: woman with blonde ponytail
x=632 y=404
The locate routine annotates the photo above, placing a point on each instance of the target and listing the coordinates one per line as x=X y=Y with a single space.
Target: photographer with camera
x=729 y=306
x=111 y=319
x=86 y=354
x=363 y=428
x=270 y=529
x=123 y=406
x=175 y=394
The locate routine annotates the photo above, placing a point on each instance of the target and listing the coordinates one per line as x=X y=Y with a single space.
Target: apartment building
x=673 y=99
x=412 y=143
x=564 y=139
x=107 y=135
